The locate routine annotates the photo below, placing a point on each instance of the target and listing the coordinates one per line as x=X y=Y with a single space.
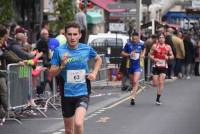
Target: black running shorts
x=70 y=104
x=158 y=71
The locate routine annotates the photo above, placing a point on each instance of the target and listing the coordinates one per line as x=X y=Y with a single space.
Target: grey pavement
x=179 y=113
x=103 y=95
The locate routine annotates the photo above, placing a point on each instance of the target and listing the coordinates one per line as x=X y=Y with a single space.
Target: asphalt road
x=179 y=113
x=110 y=112
x=38 y=124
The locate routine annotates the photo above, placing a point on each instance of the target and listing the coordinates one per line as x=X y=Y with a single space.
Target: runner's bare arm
x=124 y=54
x=97 y=65
x=143 y=53
x=55 y=70
x=151 y=52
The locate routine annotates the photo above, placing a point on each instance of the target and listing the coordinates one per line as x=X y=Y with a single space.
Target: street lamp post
x=138 y=15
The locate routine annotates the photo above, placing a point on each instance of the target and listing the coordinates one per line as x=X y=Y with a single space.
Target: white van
x=109 y=44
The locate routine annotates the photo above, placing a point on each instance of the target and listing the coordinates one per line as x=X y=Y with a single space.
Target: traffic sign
x=116 y=27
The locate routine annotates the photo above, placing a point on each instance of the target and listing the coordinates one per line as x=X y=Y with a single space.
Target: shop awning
x=104 y=4
x=94 y=17
x=182 y=15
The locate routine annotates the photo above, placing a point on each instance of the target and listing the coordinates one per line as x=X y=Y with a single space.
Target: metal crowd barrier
x=19 y=87
x=146 y=69
x=103 y=72
x=48 y=94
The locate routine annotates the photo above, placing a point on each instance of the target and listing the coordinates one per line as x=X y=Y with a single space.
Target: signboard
x=124 y=5
x=124 y=14
x=196 y=4
x=117 y=27
x=48 y=6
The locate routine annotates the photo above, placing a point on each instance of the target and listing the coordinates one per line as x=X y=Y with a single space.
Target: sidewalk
x=117 y=84
x=99 y=84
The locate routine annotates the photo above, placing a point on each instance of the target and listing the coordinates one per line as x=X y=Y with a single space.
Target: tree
x=65 y=10
x=6 y=11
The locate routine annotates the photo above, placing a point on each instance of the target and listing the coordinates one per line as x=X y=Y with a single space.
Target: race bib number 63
x=76 y=76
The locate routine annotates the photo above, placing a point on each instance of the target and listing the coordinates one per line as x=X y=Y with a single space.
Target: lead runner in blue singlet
x=134 y=50
x=70 y=61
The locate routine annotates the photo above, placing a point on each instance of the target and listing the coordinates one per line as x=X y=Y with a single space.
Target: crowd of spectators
x=15 y=48
x=186 y=50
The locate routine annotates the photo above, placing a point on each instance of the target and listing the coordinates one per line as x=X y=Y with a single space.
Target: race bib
x=161 y=63
x=135 y=56
x=76 y=76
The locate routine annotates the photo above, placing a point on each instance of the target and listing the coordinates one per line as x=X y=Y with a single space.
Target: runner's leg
x=135 y=82
x=69 y=125
x=79 y=120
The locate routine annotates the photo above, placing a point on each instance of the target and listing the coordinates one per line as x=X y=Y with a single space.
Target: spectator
x=80 y=18
x=62 y=31
x=148 y=44
x=6 y=56
x=197 y=59
x=17 y=45
x=180 y=53
x=168 y=40
x=42 y=47
x=126 y=85
x=45 y=25
x=189 y=55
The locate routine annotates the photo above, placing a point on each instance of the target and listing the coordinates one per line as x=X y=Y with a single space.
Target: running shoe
x=132 y=102
x=188 y=77
x=158 y=103
x=2 y=121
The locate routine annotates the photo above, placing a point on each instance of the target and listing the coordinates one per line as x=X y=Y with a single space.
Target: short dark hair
x=160 y=34
x=72 y=24
x=3 y=31
x=153 y=36
x=135 y=34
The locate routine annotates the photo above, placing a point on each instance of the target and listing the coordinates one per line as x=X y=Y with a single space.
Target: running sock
x=132 y=102
x=158 y=98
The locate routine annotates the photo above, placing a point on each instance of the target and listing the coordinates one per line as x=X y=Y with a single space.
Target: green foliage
x=6 y=11
x=65 y=10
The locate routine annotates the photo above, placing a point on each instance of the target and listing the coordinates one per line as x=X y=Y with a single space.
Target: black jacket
x=189 y=50
x=42 y=46
x=6 y=58
x=18 y=49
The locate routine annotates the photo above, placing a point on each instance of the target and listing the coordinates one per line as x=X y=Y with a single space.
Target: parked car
x=109 y=44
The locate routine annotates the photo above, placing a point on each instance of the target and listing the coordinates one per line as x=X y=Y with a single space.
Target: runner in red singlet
x=160 y=53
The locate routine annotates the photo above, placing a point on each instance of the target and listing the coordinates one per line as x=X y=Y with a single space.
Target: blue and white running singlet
x=137 y=48
x=76 y=68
